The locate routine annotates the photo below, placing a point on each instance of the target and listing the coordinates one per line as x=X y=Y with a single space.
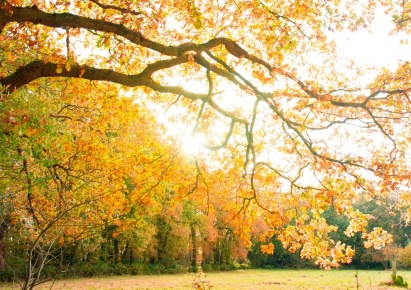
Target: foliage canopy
x=286 y=129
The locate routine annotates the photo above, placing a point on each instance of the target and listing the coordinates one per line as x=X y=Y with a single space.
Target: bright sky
x=373 y=47
x=377 y=47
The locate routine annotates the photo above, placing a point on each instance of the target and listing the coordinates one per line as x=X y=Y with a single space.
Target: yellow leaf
x=267 y=249
x=59 y=70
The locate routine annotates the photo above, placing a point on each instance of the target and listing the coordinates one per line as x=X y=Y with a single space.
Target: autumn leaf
x=267 y=249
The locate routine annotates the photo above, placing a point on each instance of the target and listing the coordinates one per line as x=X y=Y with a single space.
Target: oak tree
x=73 y=168
x=287 y=129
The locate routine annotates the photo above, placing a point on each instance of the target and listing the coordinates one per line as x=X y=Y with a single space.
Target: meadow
x=241 y=279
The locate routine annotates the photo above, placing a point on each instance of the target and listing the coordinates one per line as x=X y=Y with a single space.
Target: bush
x=6 y=275
x=120 y=269
x=405 y=257
x=50 y=271
x=208 y=268
x=221 y=267
x=108 y=269
x=227 y=267
x=137 y=269
x=176 y=268
x=89 y=270
x=399 y=281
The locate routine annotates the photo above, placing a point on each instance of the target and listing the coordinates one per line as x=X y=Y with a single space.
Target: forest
x=161 y=136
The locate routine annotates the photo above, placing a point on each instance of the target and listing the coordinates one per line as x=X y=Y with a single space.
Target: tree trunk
x=131 y=256
x=2 y=255
x=72 y=258
x=217 y=253
x=394 y=258
x=161 y=252
x=125 y=256
x=197 y=248
x=394 y=269
x=116 y=251
x=3 y=229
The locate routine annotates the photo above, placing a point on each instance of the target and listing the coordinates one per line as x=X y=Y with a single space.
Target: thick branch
x=39 y=69
x=10 y=14
x=30 y=14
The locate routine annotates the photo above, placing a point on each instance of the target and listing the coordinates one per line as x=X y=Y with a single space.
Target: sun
x=191 y=144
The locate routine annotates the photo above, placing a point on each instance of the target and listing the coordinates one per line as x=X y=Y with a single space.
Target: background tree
x=72 y=168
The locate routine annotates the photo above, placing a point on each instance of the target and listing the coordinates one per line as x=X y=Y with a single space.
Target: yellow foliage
x=96 y=103
x=267 y=249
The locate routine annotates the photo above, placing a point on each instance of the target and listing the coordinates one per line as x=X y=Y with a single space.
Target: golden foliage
x=288 y=131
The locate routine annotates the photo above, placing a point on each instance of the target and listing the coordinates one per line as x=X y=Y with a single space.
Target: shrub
x=240 y=266
x=176 y=268
x=120 y=269
x=399 y=281
x=405 y=257
x=89 y=270
x=137 y=269
x=7 y=275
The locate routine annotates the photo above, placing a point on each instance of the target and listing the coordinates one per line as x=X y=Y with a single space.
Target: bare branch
x=122 y=10
x=279 y=16
x=226 y=140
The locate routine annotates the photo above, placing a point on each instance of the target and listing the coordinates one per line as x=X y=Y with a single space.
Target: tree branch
x=122 y=10
x=39 y=69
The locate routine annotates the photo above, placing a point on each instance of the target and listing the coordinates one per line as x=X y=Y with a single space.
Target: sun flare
x=191 y=144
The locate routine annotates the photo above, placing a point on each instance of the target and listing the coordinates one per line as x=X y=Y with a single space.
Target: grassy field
x=242 y=279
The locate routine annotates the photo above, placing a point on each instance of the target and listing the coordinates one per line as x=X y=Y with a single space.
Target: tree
x=72 y=167
x=299 y=135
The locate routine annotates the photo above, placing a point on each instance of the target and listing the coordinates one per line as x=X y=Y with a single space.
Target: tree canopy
x=288 y=130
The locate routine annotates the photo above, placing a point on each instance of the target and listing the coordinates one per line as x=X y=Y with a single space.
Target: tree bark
x=394 y=269
x=115 y=251
x=197 y=260
x=2 y=255
x=3 y=228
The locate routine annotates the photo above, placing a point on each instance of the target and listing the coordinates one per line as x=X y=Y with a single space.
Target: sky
x=375 y=47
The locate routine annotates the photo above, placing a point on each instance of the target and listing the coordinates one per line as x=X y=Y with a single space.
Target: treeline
x=178 y=240
x=182 y=240
x=398 y=252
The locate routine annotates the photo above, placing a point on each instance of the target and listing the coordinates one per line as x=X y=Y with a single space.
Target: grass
x=238 y=280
